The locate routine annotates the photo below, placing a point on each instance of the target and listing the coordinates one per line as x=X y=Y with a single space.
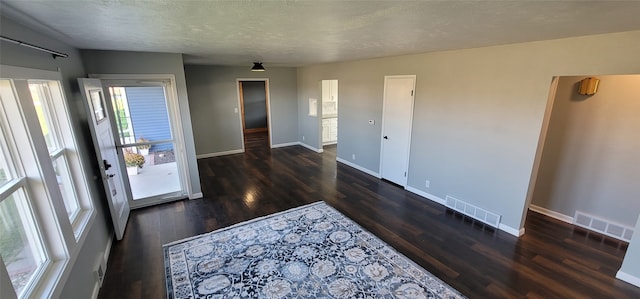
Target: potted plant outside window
x=144 y=148
x=133 y=162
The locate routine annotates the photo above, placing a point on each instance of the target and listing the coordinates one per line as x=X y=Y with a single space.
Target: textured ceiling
x=296 y=33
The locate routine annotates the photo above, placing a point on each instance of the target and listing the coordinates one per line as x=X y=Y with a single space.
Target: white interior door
x=106 y=152
x=397 y=116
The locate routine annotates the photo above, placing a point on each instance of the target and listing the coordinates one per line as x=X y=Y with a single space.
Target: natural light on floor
x=158 y=175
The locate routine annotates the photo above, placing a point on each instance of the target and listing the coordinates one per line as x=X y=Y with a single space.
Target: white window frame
x=57 y=108
x=33 y=230
x=62 y=238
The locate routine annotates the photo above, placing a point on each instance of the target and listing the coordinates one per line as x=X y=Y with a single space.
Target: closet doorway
x=253 y=96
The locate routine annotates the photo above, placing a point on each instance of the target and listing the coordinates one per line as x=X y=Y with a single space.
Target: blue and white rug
x=308 y=252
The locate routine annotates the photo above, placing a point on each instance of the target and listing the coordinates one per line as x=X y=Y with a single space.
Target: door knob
x=385 y=137
x=106 y=164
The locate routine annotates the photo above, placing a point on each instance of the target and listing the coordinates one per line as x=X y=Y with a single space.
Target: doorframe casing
x=176 y=123
x=542 y=137
x=384 y=108
x=240 y=108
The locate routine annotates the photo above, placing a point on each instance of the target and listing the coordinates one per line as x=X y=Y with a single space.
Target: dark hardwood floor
x=552 y=260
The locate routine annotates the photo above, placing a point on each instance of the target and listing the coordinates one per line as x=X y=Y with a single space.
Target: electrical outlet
x=100 y=269
x=353 y=156
x=99 y=272
x=427 y=183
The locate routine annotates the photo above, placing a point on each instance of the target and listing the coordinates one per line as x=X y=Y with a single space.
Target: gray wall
x=213 y=96
x=360 y=99
x=255 y=105
x=80 y=280
x=478 y=112
x=590 y=161
x=123 y=62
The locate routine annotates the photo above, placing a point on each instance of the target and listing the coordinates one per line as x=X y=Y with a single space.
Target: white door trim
x=542 y=137
x=268 y=99
x=384 y=107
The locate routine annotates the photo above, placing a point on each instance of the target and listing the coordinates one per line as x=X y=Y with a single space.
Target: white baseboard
x=510 y=230
x=317 y=150
x=426 y=195
x=209 y=155
x=107 y=252
x=285 y=144
x=96 y=291
x=628 y=278
x=196 y=195
x=552 y=214
x=105 y=257
x=358 y=167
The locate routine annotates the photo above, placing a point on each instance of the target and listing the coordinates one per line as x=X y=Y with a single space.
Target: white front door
x=106 y=152
x=397 y=116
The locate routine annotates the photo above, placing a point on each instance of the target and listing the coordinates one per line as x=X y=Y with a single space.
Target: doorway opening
x=253 y=97
x=143 y=126
x=585 y=170
x=146 y=127
x=583 y=173
x=329 y=114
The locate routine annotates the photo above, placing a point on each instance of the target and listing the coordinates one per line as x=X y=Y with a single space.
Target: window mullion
x=11 y=186
x=57 y=153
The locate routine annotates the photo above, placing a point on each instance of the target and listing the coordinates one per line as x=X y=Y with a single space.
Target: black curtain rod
x=32 y=46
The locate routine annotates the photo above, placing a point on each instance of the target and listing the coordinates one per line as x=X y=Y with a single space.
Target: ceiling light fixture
x=257 y=67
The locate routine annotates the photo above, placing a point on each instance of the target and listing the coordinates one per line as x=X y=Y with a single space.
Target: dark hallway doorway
x=253 y=96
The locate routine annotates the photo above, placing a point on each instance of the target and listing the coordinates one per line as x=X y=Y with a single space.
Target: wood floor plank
x=552 y=260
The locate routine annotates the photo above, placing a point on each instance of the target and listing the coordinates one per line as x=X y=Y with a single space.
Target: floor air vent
x=603 y=226
x=474 y=212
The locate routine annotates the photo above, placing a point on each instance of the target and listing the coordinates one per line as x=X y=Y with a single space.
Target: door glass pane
x=97 y=106
x=39 y=94
x=20 y=245
x=66 y=186
x=153 y=174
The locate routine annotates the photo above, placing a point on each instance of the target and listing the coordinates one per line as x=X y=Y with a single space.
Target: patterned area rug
x=308 y=252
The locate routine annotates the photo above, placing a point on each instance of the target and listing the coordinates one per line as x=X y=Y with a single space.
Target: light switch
x=235 y=110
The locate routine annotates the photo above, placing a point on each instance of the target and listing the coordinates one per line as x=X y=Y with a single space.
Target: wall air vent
x=603 y=226
x=472 y=211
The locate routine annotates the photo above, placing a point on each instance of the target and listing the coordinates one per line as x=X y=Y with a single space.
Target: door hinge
x=412 y=93
x=405 y=174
